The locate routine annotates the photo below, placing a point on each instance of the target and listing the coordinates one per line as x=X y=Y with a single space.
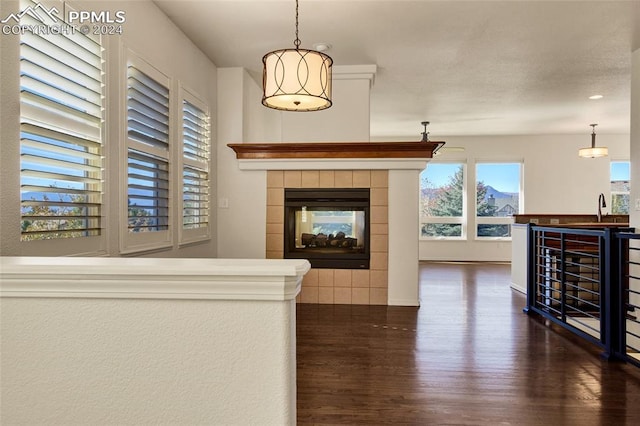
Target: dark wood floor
x=467 y=356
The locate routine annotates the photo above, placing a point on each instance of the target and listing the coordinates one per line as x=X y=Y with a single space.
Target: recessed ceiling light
x=321 y=47
x=596 y=97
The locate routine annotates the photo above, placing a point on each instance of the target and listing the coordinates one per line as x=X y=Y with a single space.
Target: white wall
x=9 y=139
x=149 y=33
x=242 y=194
x=243 y=119
x=347 y=120
x=131 y=341
x=133 y=362
x=555 y=180
x=403 y=244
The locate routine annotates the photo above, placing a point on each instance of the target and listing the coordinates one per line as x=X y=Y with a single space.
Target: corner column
x=404 y=285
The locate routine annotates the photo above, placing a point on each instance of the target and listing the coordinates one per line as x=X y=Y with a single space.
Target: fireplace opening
x=327 y=226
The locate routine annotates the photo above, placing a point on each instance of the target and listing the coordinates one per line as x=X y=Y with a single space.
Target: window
x=148 y=154
x=442 y=201
x=61 y=136
x=161 y=162
x=620 y=188
x=497 y=198
x=196 y=141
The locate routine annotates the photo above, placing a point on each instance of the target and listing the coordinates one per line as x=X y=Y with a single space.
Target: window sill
x=145 y=250
x=194 y=242
x=459 y=239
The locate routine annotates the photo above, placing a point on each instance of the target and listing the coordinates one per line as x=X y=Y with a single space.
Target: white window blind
x=61 y=136
x=148 y=152
x=195 y=165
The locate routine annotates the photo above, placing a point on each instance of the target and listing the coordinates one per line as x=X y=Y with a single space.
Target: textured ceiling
x=468 y=67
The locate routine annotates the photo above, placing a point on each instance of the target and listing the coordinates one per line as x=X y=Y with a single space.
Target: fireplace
x=392 y=177
x=327 y=226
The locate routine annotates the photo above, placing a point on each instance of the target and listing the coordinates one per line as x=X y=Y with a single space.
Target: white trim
x=496 y=220
x=491 y=220
x=492 y=239
x=132 y=242
x=613 y=193
x=461 y=220
x=404 y=302
x=518 y=288
x=442 y=219
x=335 y=164
x=88 y=125
x=152 y=278
x=355 y=72
x=187 y=236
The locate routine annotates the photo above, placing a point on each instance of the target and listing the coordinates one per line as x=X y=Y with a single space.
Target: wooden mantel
x=283 y=150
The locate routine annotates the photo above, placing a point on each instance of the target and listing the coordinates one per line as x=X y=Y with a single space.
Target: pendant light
x=593 y=151
x=296 y=79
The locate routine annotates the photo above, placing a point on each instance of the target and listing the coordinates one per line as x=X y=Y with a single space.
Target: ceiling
x=468 y=67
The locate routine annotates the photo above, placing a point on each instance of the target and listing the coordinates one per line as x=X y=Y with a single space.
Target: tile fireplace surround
x=335 y=286
x=391 y=171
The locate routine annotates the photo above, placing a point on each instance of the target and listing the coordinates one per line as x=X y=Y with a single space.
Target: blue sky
x=438 y=173
x=620 y=170
x=504 y=177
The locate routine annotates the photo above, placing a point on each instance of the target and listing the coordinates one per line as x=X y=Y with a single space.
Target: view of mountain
x=431 y=192
x=497 y=194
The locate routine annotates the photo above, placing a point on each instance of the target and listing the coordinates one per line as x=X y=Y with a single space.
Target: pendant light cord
x=297 y=40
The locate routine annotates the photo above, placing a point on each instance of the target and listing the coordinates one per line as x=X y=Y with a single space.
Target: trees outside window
x=497 y=198
x=442 y=201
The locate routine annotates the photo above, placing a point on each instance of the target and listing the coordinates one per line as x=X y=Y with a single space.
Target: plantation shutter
x=61 y=136
x=148 y=152
x=195 y=166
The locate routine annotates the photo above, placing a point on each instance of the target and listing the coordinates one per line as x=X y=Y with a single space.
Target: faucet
x=601 y=203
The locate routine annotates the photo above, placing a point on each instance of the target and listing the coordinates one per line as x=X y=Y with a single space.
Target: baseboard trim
x=404 y=302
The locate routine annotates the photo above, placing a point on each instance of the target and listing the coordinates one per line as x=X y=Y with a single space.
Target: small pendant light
x=296 y=79
x=593 y=151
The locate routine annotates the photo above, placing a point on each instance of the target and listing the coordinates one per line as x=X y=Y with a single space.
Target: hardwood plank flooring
x=467 y=356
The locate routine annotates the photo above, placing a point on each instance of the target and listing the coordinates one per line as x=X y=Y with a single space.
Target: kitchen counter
x=519 y=236
x=565 y=219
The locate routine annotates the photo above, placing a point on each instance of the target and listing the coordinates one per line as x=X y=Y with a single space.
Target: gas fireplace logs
x=321 y=240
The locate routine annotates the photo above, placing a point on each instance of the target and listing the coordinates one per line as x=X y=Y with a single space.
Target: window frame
x=613 y=193
x=90 y=157
x=198 y=234
x=495 y=220
x=445 y=220
x=134 y=242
